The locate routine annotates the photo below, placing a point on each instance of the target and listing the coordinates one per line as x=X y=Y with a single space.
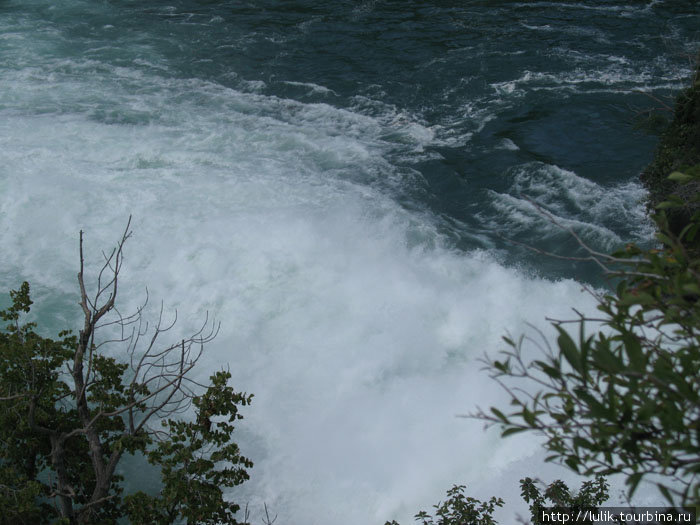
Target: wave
x=593 y=211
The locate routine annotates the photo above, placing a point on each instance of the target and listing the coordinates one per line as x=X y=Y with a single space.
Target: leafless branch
x=267 y=520
x=597 y=256
x=663 y=105
x=16 y=396
x=157 y=385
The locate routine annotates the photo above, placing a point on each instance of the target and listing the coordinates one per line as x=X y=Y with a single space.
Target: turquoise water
x=334 y=182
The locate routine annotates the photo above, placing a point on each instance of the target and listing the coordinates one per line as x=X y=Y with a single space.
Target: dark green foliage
x=188 y=460
x=626 y=398
x=69 y=414
x=30 y=386
x=678 y=149
x=459 y=509
x=591 y=495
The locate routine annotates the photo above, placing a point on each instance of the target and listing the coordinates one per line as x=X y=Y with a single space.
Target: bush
x=69 y=414
x=459 y=509
x=626 y=398
x=678 y=150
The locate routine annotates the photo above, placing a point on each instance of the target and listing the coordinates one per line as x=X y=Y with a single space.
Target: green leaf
x=512 y=430
x=664 y=239
x=508 y=340
x=632 y=481
x=499 y=414
x=680 y=177
x=691 y=288
x=551 y=371
x=572 y=462
x=633 y=349
x=529 y=417
x=502 y=366
x=666 y=493
x=607 y=361
x=582 y=443
x=568 y=348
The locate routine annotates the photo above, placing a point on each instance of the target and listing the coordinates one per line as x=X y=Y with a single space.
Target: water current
x=335 y=182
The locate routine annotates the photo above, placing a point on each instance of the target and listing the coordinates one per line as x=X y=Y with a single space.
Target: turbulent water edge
x=334 y=183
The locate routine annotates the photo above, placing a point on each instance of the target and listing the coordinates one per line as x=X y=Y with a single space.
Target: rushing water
x=334 y=182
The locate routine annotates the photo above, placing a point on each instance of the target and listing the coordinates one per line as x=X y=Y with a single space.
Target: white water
x=573 y=202
x=357 y=330
x=354 y=324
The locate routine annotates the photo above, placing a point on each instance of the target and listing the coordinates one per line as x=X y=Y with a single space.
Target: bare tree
x=104 y=408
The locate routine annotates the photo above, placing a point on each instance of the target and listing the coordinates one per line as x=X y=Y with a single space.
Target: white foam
x=356 y=326
x=313 y=88
x=359 y=343
x=593 y=210
x=615 y=76
x=508 y=144
x=582 y=6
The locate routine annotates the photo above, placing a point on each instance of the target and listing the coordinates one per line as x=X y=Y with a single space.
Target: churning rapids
x=333 y=181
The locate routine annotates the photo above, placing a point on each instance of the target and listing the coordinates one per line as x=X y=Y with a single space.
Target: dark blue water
x=338 y=183
x=502 y=91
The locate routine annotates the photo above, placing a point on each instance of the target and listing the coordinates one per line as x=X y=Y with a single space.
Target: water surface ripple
x=334 y=181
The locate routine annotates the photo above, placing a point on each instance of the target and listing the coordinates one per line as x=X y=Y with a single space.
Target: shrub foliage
x=69 y=414
x=626 y=397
